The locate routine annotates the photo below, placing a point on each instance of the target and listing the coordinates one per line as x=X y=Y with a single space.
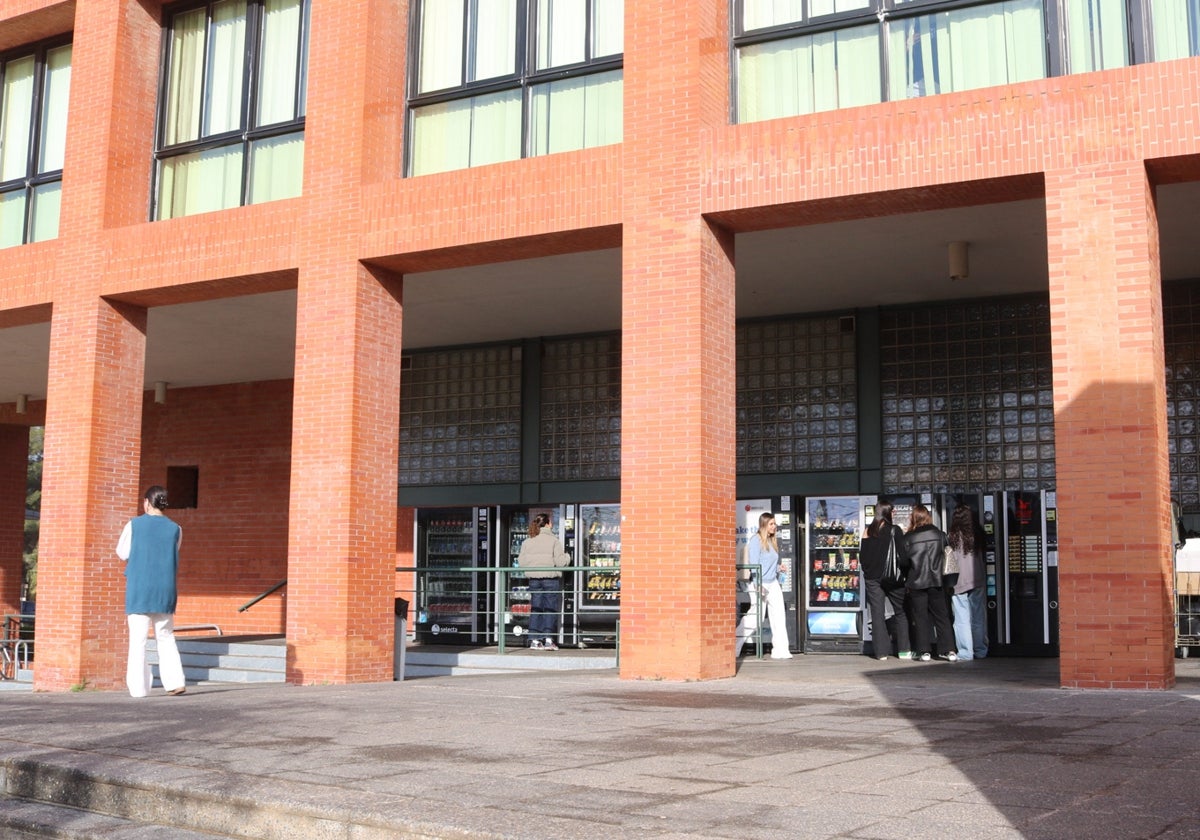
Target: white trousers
x=170 y=668
x=776 y=617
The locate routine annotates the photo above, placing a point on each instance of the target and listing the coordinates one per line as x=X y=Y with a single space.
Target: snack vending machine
x=833 y=588
x=451 y=602
x=597 y=595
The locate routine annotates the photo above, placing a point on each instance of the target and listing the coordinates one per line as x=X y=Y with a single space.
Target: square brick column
x=89 y=490
x=678 y=399
x=346 y=405
x=345 y=446
x=1116 y=618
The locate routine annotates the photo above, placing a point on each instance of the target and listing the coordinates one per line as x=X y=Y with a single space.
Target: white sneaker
x=536 y=644
x=951 y=657
x=922 y=657
x=548 y=644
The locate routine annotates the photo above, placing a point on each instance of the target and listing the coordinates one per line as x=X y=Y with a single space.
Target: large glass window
x=34 y=87
x=1175 y=28
x=963 y=49
x=231 y=115
x=496 y=80
x=803 y=56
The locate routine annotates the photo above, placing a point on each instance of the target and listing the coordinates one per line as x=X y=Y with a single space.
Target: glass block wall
x=581 y=409
x=1181 y=334
x=967 y=397
x=797 y=395
x=460 y=417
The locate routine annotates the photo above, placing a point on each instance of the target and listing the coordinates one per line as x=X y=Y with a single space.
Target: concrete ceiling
x=818 y=268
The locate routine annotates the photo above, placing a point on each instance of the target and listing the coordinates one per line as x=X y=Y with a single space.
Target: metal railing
x=262 y=595
x=754 y=575
x=492 y=607
x=17 y=645
x=505 y=604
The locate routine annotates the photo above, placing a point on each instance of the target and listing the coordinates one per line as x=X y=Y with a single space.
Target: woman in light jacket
x=762 y=550
x=926 y=598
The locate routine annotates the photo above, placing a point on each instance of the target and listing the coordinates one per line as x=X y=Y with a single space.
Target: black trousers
x=881 y=640
x=930 y=612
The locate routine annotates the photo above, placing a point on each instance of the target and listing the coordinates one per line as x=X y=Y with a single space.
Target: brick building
x=261 y=204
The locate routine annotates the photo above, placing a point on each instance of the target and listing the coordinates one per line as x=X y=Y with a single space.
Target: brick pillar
x=677 y=414
x=14 y=466
x=1115 y=589
x=345 y=445
x=346 y=408
x=89 y=490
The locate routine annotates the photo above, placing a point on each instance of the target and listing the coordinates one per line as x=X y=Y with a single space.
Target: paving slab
x=813 y=747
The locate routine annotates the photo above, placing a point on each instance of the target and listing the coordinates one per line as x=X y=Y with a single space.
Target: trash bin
x=401 y=639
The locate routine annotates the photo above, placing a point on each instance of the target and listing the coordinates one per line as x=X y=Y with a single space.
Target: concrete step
x=71 y=795
x=222 y=660
x=24 y=820
x=435 y=661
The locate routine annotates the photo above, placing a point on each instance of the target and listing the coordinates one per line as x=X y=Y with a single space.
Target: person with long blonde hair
x=763 y=550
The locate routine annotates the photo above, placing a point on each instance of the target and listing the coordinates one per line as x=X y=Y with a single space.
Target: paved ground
x=816 y=747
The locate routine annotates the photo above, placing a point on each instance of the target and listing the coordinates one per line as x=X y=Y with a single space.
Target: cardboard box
x=1187 y=583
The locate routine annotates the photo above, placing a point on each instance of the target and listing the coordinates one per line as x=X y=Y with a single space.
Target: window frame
x=882 y=12
x=525 y=78
x=248 y=133
x=29 y=183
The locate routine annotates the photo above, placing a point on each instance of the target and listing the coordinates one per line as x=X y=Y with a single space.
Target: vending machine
x=833 y=588
x=1021 y=565
x=786 y=525
x=452 y=602
x=596 y=537
x=510 y=612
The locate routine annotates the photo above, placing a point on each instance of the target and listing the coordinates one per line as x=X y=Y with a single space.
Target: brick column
x=14 y=466
x=1115 y=615
x=89 y=490
x=677 y=414
x=346 y=407
x=345 y=445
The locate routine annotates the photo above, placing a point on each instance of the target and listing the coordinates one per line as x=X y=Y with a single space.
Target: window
x=34 y=87
x=496 y=80
x=231 y=105
x=1175 y=28
x=803 y=56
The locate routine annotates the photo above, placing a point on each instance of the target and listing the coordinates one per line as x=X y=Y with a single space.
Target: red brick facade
x=301 y=476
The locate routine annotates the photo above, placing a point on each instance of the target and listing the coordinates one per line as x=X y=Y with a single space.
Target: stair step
x=24 y=820
x=68 y=795
x=219 y=660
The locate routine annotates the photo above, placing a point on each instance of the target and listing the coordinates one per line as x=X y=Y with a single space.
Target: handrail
x=258 y=598
x=503 y=573
x=191 y=628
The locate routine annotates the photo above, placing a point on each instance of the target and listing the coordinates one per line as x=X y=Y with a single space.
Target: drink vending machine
x=786 y=524
x=1021 y=564
x=591 y=595
x=451 y=602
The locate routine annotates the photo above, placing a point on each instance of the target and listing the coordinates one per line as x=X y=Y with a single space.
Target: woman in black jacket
x=926 y=598
x=872 y=557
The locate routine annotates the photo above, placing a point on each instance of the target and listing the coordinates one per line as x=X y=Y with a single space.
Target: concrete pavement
x=814 y=747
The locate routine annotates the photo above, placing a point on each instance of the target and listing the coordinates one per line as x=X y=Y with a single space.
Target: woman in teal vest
x=149 y=545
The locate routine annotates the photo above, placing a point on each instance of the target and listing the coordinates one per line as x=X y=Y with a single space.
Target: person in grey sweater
x=541 y=553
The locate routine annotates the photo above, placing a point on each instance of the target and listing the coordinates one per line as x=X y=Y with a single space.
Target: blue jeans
x=545 y=601
x=970 y=624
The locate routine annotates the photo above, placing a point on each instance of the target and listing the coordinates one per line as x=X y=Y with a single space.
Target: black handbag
x=892 y=575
